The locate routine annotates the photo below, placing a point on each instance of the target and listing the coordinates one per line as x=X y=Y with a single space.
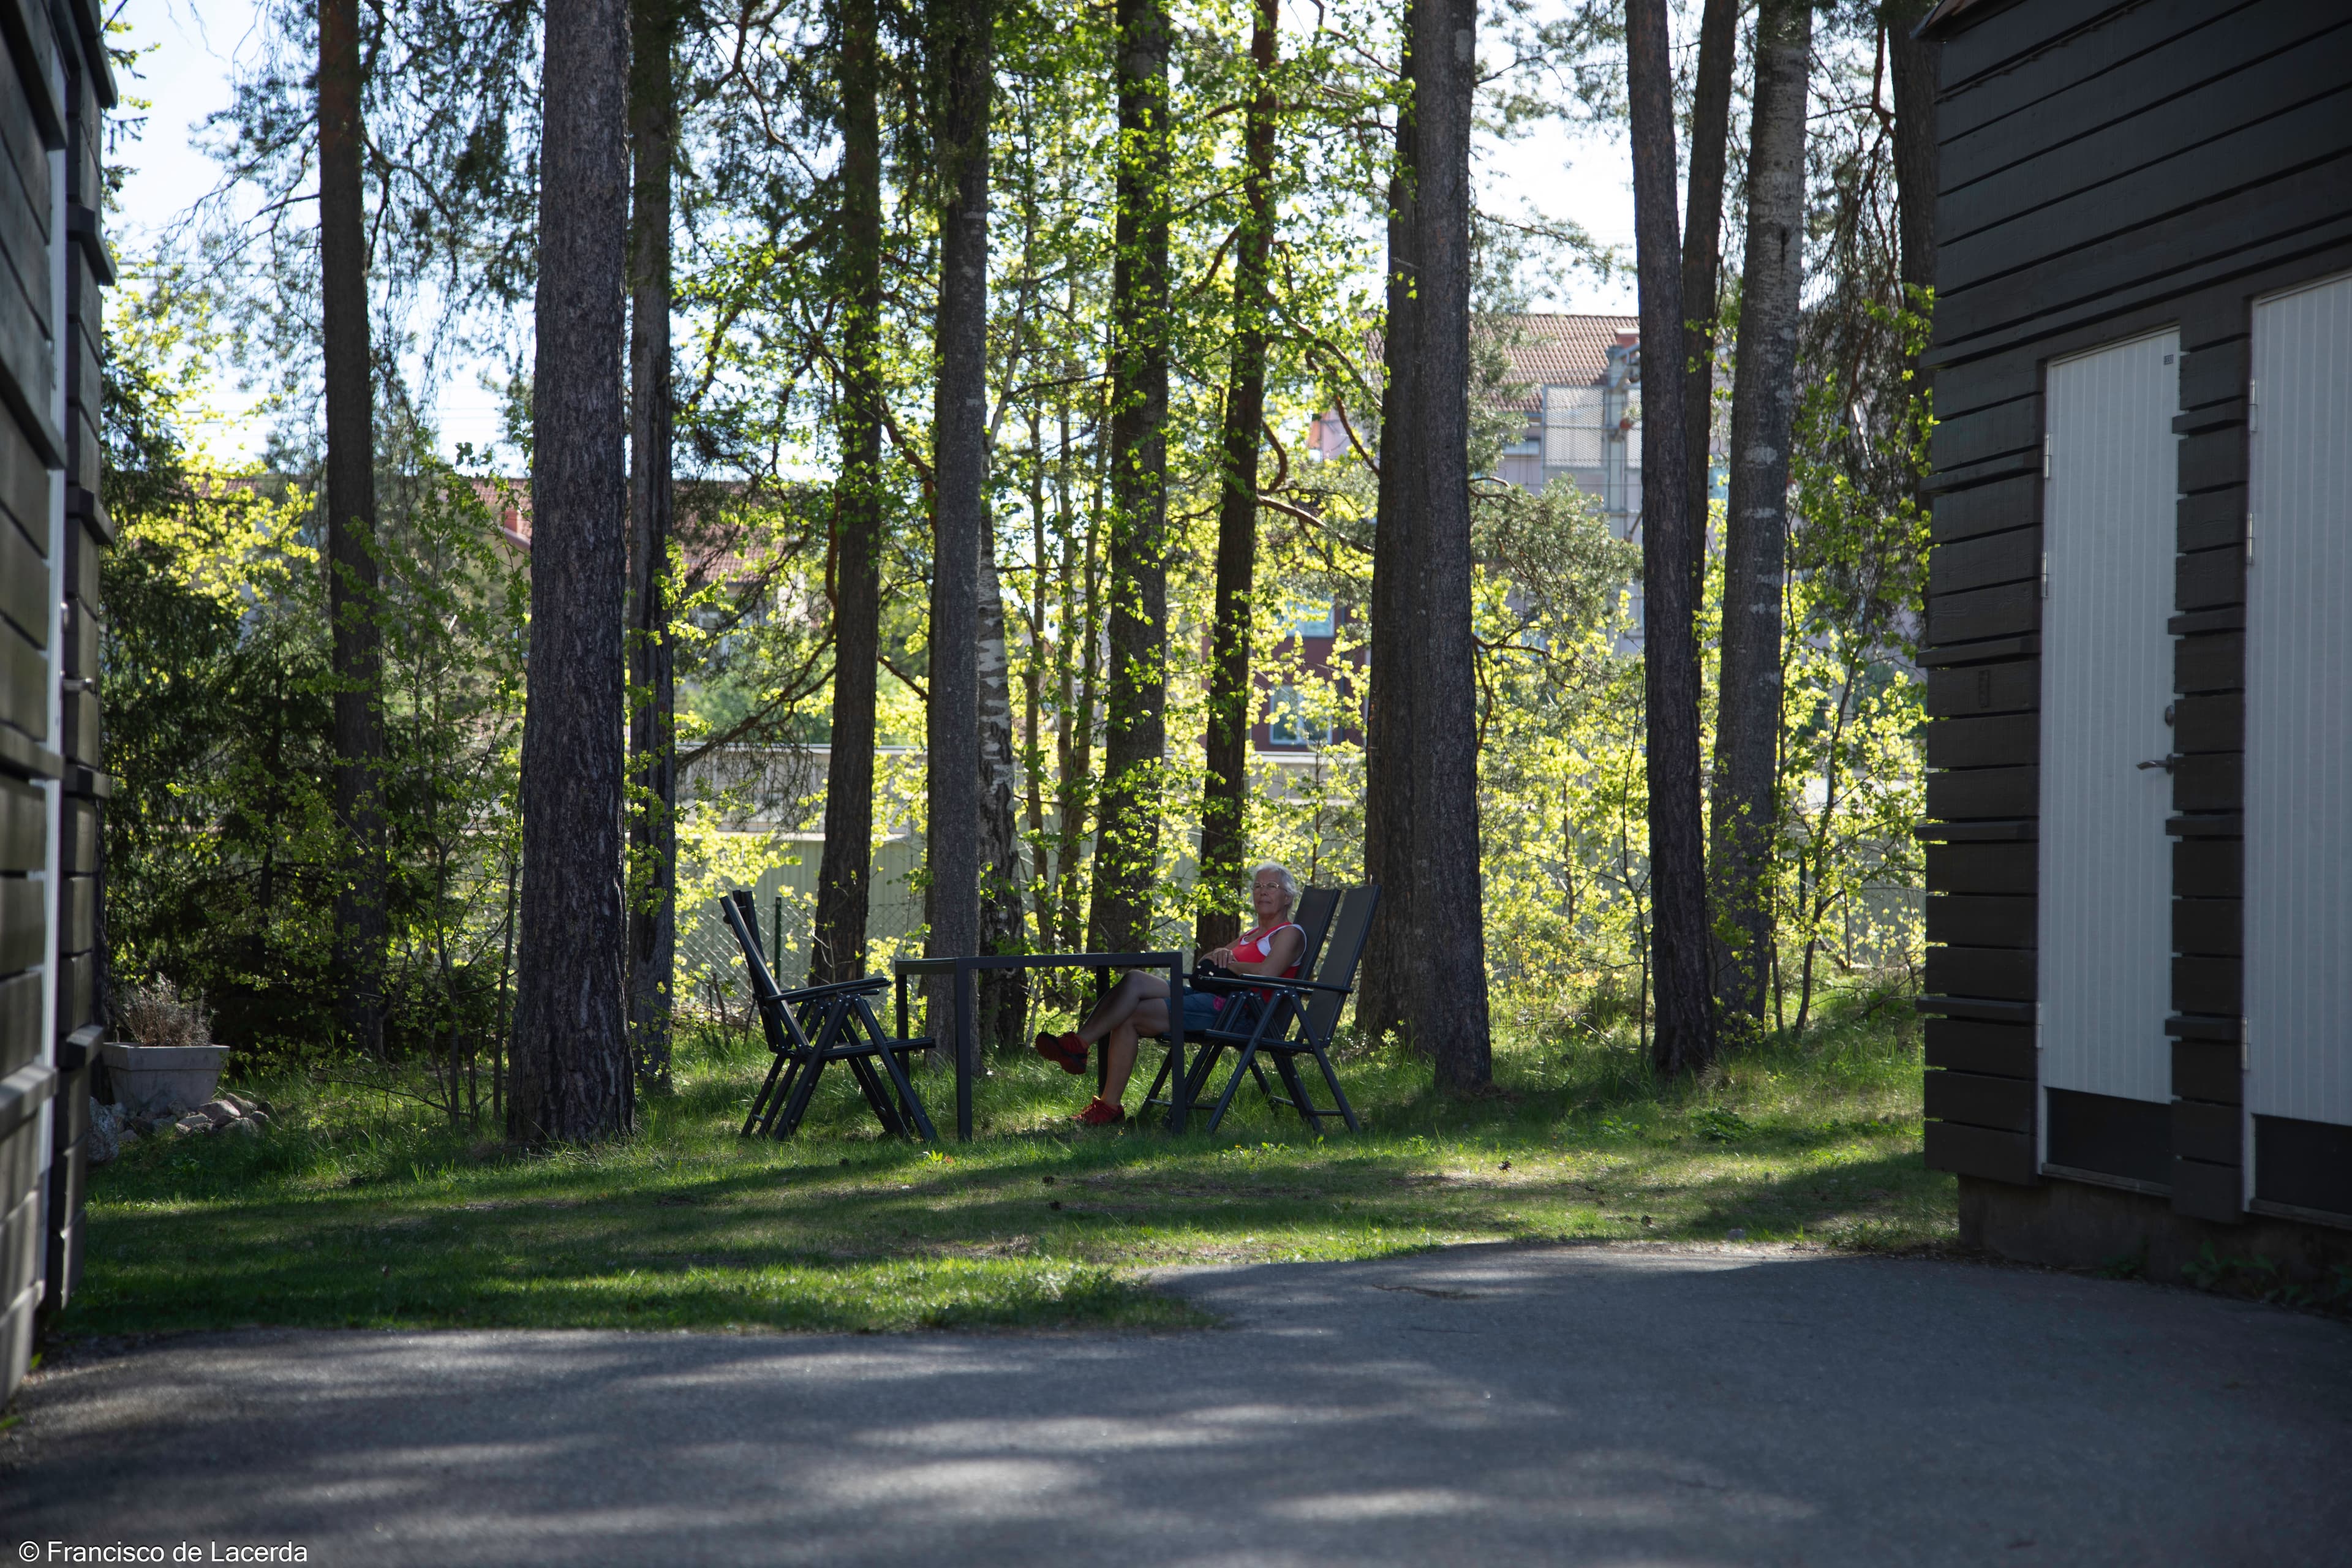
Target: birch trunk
x=1387 y=960
x=1002 y=993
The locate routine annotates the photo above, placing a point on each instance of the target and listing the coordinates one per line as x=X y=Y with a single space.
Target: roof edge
x=1946 y=16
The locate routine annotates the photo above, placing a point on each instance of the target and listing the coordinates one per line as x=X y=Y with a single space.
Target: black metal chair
x=1313 y=917
x=1297 y=1020
x=818 y=1024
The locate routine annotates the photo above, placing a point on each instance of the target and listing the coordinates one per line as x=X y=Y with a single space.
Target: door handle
x=2165 y=763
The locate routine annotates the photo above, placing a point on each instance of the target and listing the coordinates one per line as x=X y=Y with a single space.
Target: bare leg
x=1134 y=988
x=1149 y=1017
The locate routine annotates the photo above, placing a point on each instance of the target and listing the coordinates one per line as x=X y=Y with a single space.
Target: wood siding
x=2106 y=170
x=80 y=938
x=55 y=86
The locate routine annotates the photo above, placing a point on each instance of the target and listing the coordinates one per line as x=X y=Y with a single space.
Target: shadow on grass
x=359 y=1209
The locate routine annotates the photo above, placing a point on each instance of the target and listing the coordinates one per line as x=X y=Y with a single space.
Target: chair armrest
x=1302 y=986
x=871 y=984
x=1219 y=983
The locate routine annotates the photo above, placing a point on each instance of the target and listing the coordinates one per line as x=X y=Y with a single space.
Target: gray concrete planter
x=161 y=1080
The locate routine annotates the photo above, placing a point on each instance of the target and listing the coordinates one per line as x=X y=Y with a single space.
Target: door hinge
x=2253 y=406
x=2045 y=574
x=2242 y=1063
x=2249 y=539
x=2045 y=454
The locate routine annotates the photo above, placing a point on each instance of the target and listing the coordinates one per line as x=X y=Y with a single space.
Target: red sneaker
x=1066 y=1051
x=1101 y=1112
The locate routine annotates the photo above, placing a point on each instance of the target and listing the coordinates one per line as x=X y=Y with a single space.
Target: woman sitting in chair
x=1138 y=1004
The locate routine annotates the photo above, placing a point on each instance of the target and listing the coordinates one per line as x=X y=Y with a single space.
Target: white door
x=2298 y=913
x=2105 y=864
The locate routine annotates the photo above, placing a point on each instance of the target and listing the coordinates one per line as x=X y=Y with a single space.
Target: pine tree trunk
x=1718 y=48
x=1385 y=972
x=1744 y=810
x=1913 y=64
x=653 y=691
x=1223 y=834
x=357 y=661
x=1447 y=1001
x=844 y=873
x=960 y=29
x=1135 y=736
x=1683 y=1037
x=571 y=1079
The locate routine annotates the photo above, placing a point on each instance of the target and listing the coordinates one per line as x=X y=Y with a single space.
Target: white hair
x=1282 y=874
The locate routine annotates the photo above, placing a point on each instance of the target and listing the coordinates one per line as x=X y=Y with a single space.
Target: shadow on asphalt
x=1496 y=1406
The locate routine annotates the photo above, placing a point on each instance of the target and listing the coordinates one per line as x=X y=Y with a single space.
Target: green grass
x=357 y=1209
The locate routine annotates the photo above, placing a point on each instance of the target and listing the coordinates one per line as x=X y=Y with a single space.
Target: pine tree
x=1683 y=1040
x=1447 y=999
x=571 y=1077
x=1744 y=809
x=1222 y=837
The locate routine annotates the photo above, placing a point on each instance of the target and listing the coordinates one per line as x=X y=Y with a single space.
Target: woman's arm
x=1282 y=951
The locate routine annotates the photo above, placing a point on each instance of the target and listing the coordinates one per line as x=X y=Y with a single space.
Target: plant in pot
x=170 y=1064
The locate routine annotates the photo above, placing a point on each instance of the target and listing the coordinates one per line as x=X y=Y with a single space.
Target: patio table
x=962 y=990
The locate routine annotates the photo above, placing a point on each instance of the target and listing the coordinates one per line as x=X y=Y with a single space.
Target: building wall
x=2107 y=171
x=55 y=86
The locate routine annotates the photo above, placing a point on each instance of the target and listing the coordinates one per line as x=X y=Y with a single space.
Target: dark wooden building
x=2140 y=650
x=55 y=85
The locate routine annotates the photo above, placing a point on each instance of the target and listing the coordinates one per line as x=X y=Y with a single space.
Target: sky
x=199 y=45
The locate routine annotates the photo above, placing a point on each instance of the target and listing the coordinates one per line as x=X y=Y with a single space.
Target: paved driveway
x=1630 y=1406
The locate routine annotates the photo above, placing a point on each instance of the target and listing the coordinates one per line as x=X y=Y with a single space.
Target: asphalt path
x=1488 y=1405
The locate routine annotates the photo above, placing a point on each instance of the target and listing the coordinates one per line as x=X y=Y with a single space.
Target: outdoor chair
x=818 y=1024
x=1313 y=917
x=1297 y=1020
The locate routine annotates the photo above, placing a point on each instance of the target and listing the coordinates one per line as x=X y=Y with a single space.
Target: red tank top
x=1257 y=948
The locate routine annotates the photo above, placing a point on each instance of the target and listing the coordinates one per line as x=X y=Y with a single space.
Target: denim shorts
x=1204 y=1010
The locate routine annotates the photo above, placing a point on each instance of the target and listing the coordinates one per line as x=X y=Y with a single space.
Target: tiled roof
x=1548 y=349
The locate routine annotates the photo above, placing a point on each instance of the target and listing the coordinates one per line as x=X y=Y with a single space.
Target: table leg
x=1180 y=1102
x=1102 y=1062
x=966 y=1050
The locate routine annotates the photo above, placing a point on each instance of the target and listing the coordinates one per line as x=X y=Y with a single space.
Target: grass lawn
x=357 y=1208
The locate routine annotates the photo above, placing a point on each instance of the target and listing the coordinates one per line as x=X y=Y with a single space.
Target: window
x=1572 y=426
x=1288 y=723
x=1307 y=619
